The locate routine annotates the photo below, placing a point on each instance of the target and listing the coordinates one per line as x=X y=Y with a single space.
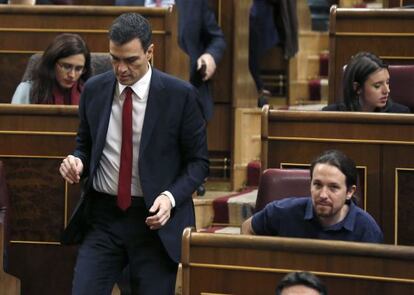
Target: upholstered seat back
x=402 y=84
x=100 y=62
x=277 y=184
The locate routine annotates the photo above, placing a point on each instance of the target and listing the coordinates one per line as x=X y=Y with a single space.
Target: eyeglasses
x=67 y=68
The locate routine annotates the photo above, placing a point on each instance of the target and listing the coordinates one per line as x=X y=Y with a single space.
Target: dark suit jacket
x=173 y=150
x=274 y=21
x=129 y=2
x=198 y=33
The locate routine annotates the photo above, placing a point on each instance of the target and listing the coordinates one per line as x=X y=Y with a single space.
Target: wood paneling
x=9 y=285
x=382 y=144
x=93 y=2
x=219 y=128
x=29 y=29
x=33 y=141
x=247 y=144
x=240 y=264
x=26 y=30
x=244 y=90
x=386 y=32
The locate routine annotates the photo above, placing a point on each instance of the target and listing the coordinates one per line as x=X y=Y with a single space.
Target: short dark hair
x=342 y=162
x=358 y=70
x=129 y=26
x=301 y=278
x=44 y=76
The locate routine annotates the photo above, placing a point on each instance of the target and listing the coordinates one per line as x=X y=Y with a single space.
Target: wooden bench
x=386 y=32
x=29 y=29
x=239 y=264
x=9 y=285
x=33 y=141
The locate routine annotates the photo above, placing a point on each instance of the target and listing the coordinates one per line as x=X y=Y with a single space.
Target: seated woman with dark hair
x=366 y=87
x=59 y=75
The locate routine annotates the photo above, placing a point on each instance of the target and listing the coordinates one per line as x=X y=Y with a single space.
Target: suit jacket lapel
x=154 y=103
x=104 y=114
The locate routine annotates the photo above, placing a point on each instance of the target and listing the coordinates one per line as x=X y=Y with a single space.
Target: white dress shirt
x=164 y=3
x=107 y=174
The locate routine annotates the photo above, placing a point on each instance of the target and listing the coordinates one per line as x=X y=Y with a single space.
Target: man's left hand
x=162 y=212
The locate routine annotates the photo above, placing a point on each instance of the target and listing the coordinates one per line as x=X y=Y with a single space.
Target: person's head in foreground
x=300 y=283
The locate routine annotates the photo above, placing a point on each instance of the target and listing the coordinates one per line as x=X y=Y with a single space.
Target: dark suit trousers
x=117 y=239
x=263 y=35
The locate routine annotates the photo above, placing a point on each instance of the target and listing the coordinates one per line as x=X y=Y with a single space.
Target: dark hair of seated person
x=356 y=73
x=44 y=76
x=344 y=164
x=301 y=278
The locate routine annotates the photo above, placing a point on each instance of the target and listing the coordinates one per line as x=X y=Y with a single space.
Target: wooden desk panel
x=239 y=264
x=33 y=141
x=8 y=283
x=383 y=144
x=27 y=30
x=386 y=32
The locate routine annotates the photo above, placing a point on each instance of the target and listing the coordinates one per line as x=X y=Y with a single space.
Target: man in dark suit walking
x=142 y=145
x=202 y=39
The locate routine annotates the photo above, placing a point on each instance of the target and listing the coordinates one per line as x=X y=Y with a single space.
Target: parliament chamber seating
x=276 y=184
x=232 y=209
x=380 y=144
x=8 y=284
x=377 y=31
x=244 y=264
x=4 y=203
x=401 y=84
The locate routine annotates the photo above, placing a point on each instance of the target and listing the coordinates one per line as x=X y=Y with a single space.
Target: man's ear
x=150 y=52
x=351 y=191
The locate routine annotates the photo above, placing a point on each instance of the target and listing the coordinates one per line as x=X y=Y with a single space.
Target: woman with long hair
x=366 y=87
x=59 y=75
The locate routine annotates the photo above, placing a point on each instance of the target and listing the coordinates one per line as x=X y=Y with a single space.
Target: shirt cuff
x=170 y=196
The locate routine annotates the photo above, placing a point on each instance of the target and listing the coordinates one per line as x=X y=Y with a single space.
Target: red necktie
x=125 y=170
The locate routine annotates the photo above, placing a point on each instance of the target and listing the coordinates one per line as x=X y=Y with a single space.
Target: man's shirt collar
x=348 y=222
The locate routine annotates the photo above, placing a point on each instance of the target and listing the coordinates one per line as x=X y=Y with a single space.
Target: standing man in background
x=142 y=146
x=202 y=39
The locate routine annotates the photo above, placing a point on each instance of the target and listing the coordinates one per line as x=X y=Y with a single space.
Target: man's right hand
x=71 y=169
